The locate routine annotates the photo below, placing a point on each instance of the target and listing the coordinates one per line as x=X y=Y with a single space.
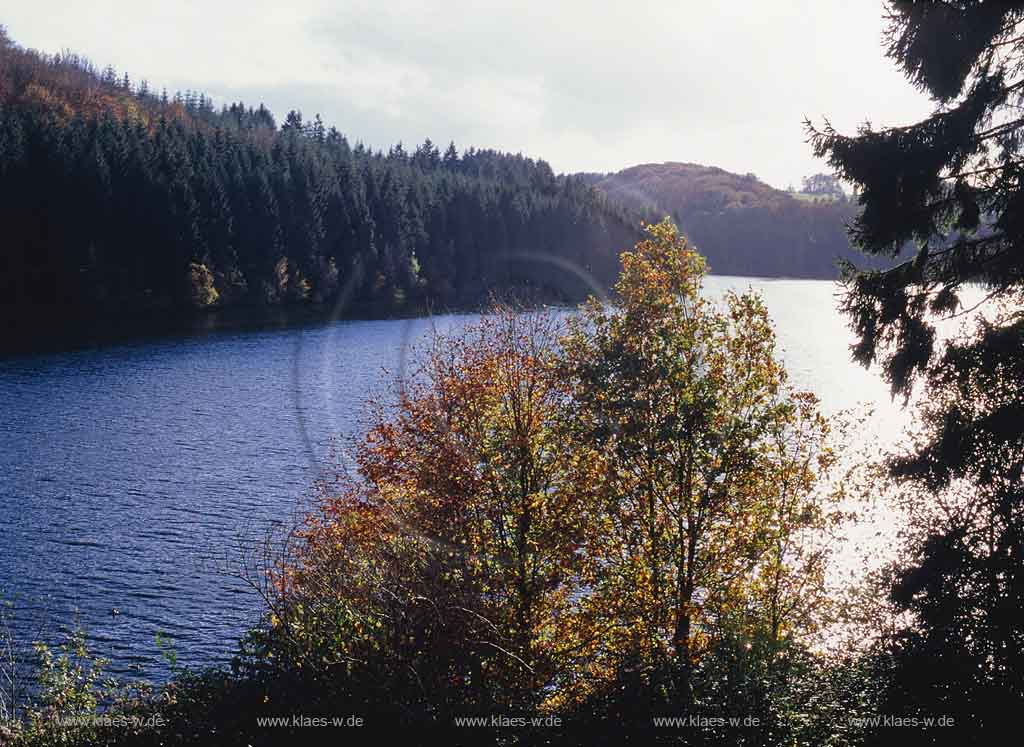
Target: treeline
x=116 y=198
x=742 y=225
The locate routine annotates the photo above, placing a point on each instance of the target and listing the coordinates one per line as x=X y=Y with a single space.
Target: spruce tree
x=951 y=187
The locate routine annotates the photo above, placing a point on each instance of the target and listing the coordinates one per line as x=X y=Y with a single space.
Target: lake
x=138 y=479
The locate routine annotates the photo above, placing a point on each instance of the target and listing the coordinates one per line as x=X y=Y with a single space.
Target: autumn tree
x=443 y=566
x=698 y=464
x=544 y=516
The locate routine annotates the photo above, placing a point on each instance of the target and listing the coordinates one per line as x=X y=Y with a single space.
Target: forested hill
x=117 y=198
x=742 y=225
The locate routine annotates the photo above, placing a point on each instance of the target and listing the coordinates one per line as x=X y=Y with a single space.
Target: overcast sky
x=589 y=86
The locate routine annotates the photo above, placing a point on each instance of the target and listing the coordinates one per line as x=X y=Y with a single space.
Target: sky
x=587 y=86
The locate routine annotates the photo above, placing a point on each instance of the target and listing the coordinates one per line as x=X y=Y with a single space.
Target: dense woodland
x=119 y=197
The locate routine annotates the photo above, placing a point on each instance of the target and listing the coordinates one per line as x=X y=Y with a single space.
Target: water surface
x=141 y=477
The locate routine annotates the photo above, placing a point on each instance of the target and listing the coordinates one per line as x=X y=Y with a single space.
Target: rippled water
x=139 y=476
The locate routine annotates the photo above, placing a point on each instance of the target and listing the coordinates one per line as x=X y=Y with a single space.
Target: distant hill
x=742 y=225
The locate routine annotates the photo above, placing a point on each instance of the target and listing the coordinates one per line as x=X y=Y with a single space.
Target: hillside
x=118 y=200
x=742 y=225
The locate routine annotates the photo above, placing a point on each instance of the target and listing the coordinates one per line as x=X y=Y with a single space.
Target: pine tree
x=951 y=185
x=317 y=130
x=293 y=123
x=451 y=157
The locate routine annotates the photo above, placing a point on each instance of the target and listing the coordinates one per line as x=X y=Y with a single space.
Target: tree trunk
x=682 y=674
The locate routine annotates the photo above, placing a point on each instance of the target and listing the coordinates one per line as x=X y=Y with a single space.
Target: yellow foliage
x=555 y=505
